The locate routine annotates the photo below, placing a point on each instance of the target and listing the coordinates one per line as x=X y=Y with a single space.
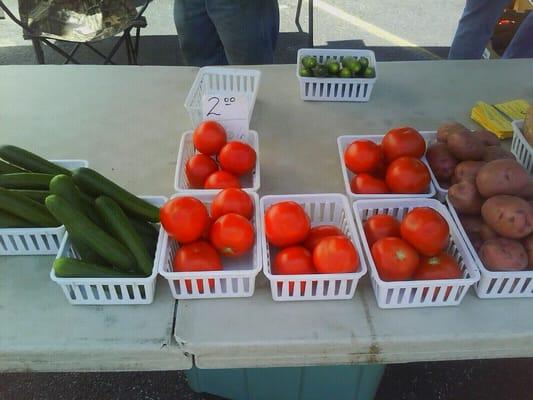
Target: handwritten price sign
x=230 y=110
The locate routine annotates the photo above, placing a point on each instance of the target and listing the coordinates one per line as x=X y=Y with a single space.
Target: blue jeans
x=219 y=32
x=475 y=30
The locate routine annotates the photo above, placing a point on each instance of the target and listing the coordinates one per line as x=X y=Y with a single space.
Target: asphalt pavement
x=406 y=30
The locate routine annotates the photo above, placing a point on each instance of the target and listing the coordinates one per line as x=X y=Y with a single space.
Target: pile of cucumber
x=111 y=230
x=346 y=67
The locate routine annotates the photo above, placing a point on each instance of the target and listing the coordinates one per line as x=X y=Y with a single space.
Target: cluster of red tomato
x=392 y=167
x=413 y=248
x=203 y=237
x=235 y=158
x=322 y=249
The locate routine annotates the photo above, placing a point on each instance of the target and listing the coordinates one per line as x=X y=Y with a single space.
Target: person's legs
x=522 y=44
x=475 y=28
x=248 y=29
x=198 y=38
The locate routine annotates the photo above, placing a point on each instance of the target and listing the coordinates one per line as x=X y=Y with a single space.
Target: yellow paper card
x=514 y=109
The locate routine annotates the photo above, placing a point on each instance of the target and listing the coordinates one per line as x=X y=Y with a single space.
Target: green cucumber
x=29 y=161
x=23 y=207
x=8 y=220
x=63 y=186
x=118 y=224
x=150 y=243
x=6 y=168
x=81 y=227
x=144 y=228
x=35 y=195
x=71 y=268
x=86 y=253
x=92 y=182
x=26 y=180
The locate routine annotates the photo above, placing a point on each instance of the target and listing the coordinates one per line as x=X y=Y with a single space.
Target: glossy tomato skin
x=232 y=235
x=426 y=230
x=237 y=157
x=184 y=218
x=222 y=180
x=198 y=168
x=232 y=200
x=395 y=259
x=209 y=137
x=197 y=256
x=294 y=260
x=401 y=142
x=317 y=233
x=407 y=175
x=335 y=255
x=380 y=226
x=362 y=156
x=286 y=224
x=441 y=266
x=364 y=183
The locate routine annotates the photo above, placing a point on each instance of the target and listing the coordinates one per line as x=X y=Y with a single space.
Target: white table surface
x=127 y=121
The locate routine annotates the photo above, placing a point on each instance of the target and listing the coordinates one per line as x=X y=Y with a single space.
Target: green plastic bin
x=339 y=382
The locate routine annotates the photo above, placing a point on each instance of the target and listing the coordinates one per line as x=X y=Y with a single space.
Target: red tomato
x=379 y=226
x=209 y=137
x=407 y=175
x=184 y=218
x=335 y=255
x=381 y=170
x=441 y=266
x=222 y=180
x=319 y=232
x=405 y=141
x=232 y=235
x=368 y=184
x=395 y=259
x=426 y=230
x=286 y=224
x=232 y=200
x=197 y=256
x=294 y=260
x=362 y=156
x=198 y=168
x=237 y=158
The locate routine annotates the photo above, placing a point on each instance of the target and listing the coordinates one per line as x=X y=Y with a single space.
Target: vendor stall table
x=127 y=122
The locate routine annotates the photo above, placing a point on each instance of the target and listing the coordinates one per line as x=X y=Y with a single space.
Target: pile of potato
x=492 y=193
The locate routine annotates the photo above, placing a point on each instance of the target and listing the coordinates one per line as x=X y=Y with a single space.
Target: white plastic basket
x=327 y=208
x=520 y=147
x=427 y=293
x=36 y=241
x=237 y=278
x=495 y=284
x=221 y=80
x=249 y=182
x=335 y=89
x=110 y=291
x=343 y=142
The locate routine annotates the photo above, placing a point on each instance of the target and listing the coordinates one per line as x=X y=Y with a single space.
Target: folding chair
x=137 y=21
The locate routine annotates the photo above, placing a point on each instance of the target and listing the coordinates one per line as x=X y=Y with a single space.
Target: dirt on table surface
x=507 y=379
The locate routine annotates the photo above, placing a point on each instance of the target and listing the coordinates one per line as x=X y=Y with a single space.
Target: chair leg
x=95 y=50
x=116 y=46
x=137 y=39
x=129 y=50
x=297 y=16
x=39 y=53
x=311 y=24
x=74 y=50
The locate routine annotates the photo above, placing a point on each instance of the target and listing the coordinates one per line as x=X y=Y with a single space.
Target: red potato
x=465 y=198
x=471 y=223
x=528 y=245
x=497 y=153
x=501 y=177
x=476 y=241
x=447 y=128
x=465 y=146
x=487 y=233
x=509 y=216
x=503 y=255
x=441 y=161
x=527 y=191
x=487 y=138
x=467 y=171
